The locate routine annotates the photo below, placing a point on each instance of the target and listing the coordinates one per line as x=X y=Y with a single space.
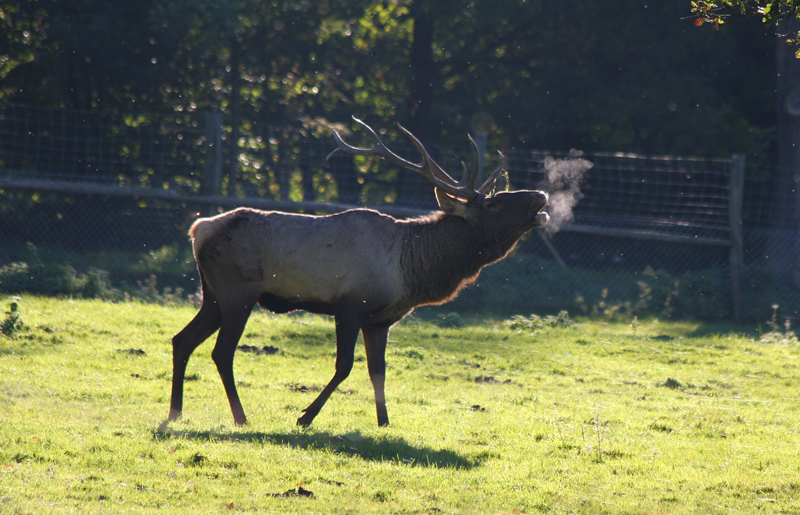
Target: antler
x=487 y=185
x=465 y=188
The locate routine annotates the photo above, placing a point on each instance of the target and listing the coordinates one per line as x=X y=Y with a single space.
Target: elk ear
x=450 y=205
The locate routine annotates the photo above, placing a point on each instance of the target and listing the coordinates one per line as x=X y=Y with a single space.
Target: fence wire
x=51 y=159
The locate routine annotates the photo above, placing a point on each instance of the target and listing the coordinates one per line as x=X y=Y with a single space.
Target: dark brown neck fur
x=442 y=254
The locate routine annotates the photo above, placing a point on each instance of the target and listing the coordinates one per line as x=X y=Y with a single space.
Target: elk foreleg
x=346 y=336
x=203 y=325
x=232 y=327
x=375 y=338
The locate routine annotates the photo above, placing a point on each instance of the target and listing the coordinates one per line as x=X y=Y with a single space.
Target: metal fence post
x=736 y=259
x=212 y=179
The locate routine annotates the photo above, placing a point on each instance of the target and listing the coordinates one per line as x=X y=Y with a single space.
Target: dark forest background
x=605 y=75
x=236 y=97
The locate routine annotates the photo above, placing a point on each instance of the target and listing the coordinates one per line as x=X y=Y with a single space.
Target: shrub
x=12 y=321
x=55 y=280
x=535 y=322
x=529 y=283
x=47 y=279
x=147 y=291
x=449 y=320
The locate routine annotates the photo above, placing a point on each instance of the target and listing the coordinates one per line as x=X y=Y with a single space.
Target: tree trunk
x=421 y=87
x=309 y=193
x=346 y=176
x=236 y=116
x=284 y=169
x=422 y=74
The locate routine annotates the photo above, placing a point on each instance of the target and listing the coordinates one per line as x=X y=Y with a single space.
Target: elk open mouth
x=540 y=219
x=538 y=216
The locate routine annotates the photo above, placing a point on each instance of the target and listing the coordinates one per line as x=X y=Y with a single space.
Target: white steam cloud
x=563 y=179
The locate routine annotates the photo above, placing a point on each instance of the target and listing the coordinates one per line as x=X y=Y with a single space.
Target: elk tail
x=203 y=229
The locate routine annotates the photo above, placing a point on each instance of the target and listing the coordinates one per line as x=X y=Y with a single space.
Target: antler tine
x=486 y=186
x=379 y=149
x=477 y=163
x=468 y=181
x=429 y=169
x=437 y=170
x=465 y=188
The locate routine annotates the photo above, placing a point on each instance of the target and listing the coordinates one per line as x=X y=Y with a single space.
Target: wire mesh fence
x=645 y=236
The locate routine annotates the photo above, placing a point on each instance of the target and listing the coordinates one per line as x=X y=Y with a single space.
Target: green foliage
x=53 y=279
x=703 y=295
x=771 y=13
x=62 y=280
x=13 y=320
x=535 y=322
x=449 y=320
x=608 y=76
x=533 y=284
x=676 y=417
x=147 y=291
x=520 y=283
x=164 y=275
x=543 y=286
x=778 y=334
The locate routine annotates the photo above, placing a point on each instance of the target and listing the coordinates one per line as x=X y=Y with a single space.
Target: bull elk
x=367 y=269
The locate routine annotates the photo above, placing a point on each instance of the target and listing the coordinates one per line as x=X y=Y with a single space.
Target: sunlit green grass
x=599 y=418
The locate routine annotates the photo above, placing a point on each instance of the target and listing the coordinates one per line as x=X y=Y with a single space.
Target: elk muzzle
x=538 y=203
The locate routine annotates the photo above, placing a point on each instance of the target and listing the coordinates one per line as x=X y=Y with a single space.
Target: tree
x=259 y=63
x=771 y=12
x=88 y=54
x=784 y=17
x=606 y=75
x=610 y=75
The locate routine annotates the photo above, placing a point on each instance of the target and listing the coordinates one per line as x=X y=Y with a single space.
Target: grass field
x=652 y=417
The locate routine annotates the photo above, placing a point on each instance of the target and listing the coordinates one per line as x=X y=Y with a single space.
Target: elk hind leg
x=232 y=326
x=346 y=336
x=203 y=325
x=375 y=338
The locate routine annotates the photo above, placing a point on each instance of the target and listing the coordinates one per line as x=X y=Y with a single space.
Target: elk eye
x=493 y=206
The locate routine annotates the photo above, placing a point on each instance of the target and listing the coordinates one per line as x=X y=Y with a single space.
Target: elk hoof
x=240 y=421
x=383 y=423
x=173 y=415
x=306 y=419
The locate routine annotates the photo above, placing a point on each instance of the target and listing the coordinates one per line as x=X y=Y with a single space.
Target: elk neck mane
x=441 y=254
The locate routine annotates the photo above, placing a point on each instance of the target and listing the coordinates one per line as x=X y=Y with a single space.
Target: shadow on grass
x=687 y=330
x=384 y=448
x=724 y=329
